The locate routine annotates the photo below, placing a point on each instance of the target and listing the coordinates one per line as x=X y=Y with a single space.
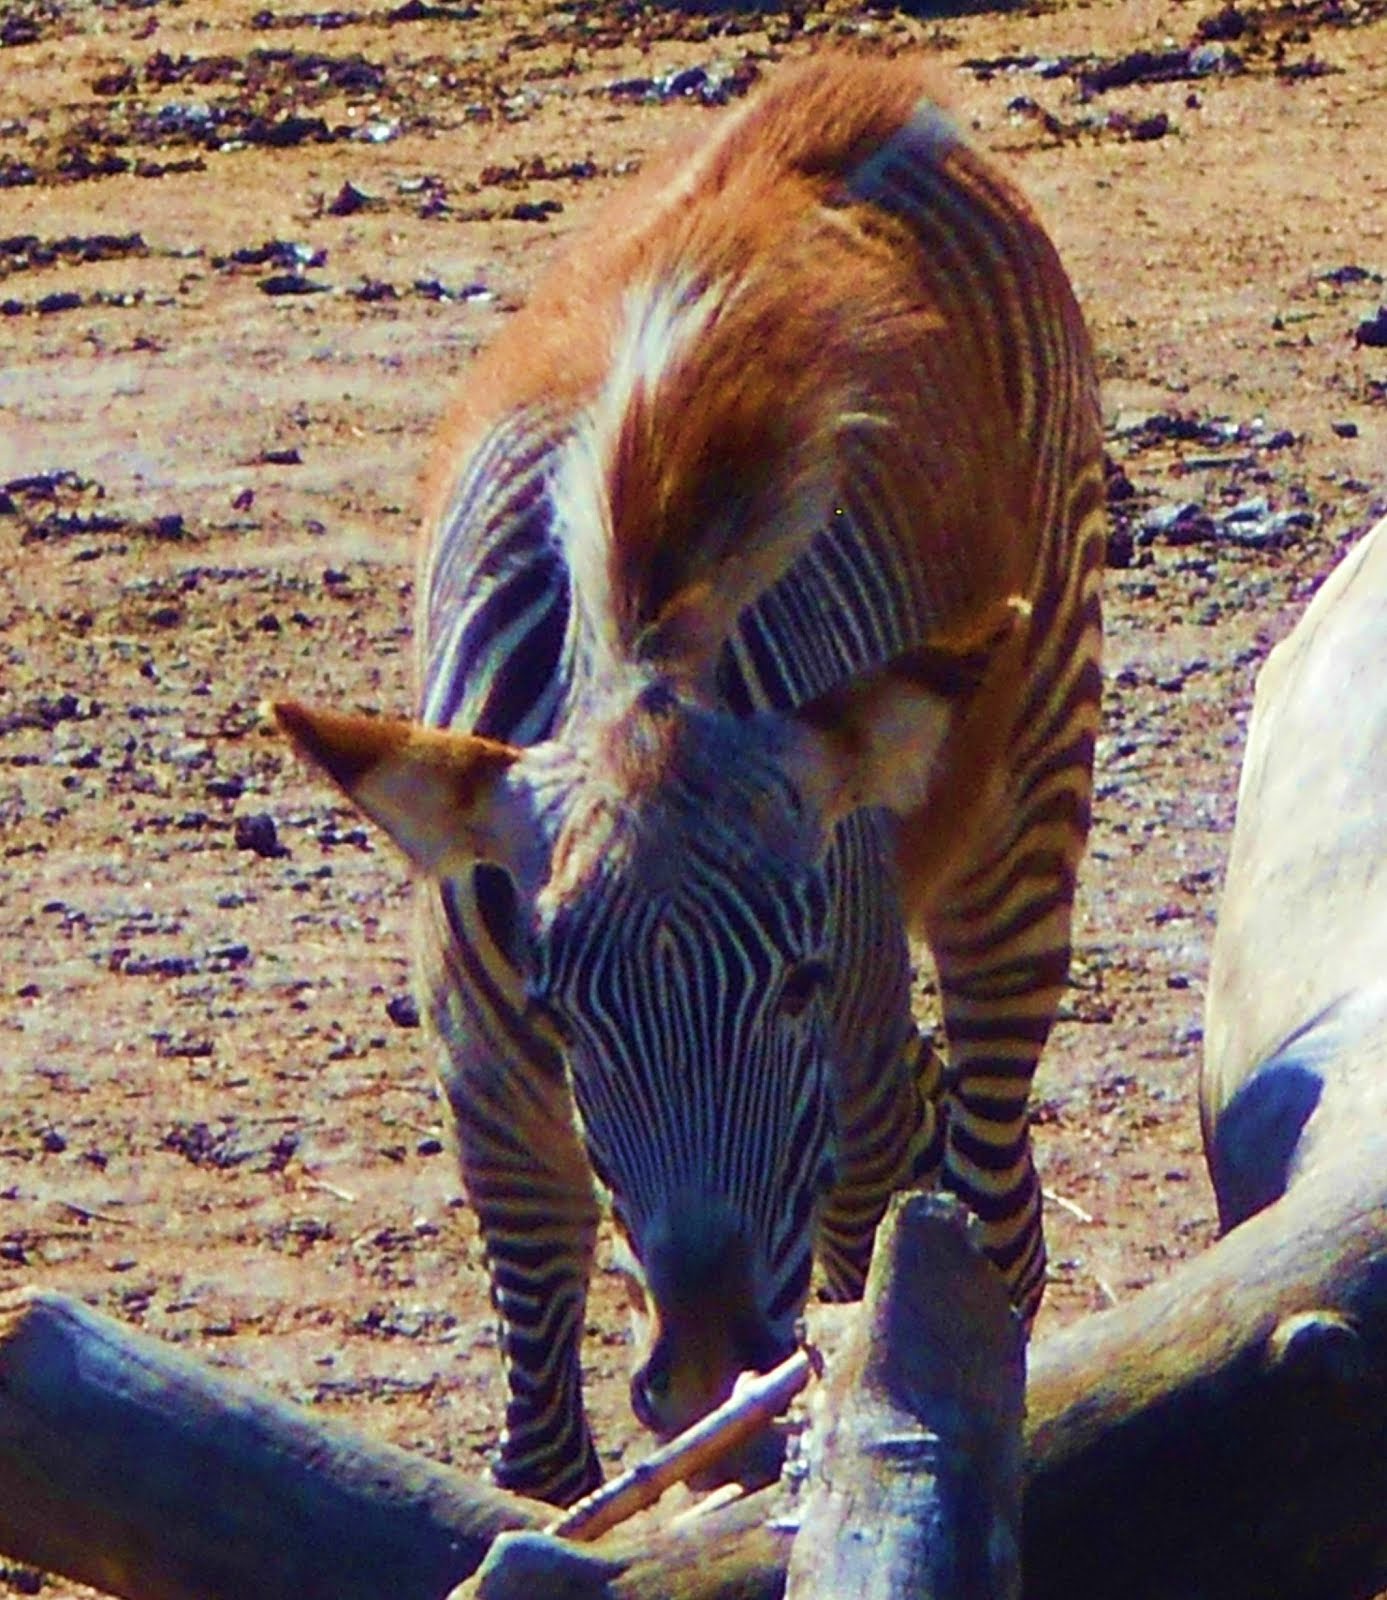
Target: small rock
x=1121 y=547
x=64 y=300
x=373 y=289
x=1118 y=486
x=256 y=831
x=534 y=210
x=1345 y=430
x=1372 y=331
x=1253 y=510
x=281 y=283
x=1176 y=524
x=348 y=201
x=1344 y=275
x=403 y=1011
x=1146 y=129
x=1229 y=23
x=1266 y=533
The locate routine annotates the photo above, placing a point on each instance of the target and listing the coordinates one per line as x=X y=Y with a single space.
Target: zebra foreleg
x=1002 y=953
x=891 y=1138
x=528 y=1181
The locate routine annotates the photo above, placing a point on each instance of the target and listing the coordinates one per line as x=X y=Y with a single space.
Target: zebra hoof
x=560 y=1485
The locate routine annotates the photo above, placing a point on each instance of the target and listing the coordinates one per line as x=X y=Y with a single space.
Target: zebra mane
x=766 y=311
x=703 y=469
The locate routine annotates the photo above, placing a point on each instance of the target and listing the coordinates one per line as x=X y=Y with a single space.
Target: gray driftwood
x=1227 y=1431
x=914 y=1453
x=1224 y=1433
x=912 y=1463
x=129 y=1466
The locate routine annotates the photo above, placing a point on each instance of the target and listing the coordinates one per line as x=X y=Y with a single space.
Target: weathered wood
x=1225 y=1432
x=1295 y=1055
x=913 y=1485
x=129 y=1466
x=738 y=1554
x=912 y=1465
x=1222 y=1435
x=755 y=1403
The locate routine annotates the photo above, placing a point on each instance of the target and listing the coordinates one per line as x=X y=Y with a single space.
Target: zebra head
x=674 y=925
x=681 y=955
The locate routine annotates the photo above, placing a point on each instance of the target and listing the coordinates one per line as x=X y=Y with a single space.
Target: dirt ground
x=246 y=251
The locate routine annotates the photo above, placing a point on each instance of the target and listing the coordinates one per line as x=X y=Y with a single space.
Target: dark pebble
x=534 y=210
x=66 y=300
x=403 y=1011
x=1149 y=128
x=291 y=283
x=257 y=831
x=1121 y=547
x=347 y=201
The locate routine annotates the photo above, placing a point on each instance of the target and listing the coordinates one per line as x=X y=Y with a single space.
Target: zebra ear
x=442 y=797
x=877 y=741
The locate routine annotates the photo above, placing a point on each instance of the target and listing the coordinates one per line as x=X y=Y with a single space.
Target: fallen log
x=912 y=1463
x=913 y=1456
x=129 y=1466
x=1224 y=1433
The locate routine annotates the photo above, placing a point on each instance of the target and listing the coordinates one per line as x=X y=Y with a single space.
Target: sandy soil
x=245 y=253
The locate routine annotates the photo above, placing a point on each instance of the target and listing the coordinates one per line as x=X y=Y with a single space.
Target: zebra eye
x=802 y=985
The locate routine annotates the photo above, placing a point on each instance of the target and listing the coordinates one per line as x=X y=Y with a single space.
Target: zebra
x=759 y=632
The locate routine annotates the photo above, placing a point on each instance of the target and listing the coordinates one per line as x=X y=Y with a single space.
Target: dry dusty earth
x=245 y=251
